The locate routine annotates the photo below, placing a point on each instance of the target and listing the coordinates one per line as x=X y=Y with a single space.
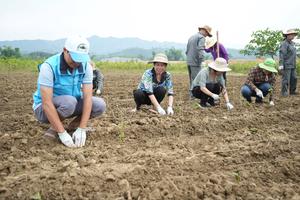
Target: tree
x=174 y=54
x=263 y=42
x=7 y=51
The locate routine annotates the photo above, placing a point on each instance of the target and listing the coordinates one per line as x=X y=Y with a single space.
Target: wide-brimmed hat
x=289 y=32
x=220 y=65
x=78 y=48
x=269 y=64
x=207 y=28
x=160 y=57
x=210 y=41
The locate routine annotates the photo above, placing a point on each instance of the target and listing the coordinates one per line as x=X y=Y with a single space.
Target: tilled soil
x=251 y=152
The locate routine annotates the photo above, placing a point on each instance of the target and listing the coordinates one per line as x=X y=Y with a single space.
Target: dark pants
x=215 y=88
x=141 y=97
x=247 y=92
x=289 y=81
x=193 y=71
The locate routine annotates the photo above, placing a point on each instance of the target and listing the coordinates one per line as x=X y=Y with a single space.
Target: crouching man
x=59 y=94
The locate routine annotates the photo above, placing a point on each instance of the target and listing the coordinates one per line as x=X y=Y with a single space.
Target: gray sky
x=160 y=20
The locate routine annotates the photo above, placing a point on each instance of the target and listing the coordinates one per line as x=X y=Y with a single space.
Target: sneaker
x=294 y=93
x=51 y=133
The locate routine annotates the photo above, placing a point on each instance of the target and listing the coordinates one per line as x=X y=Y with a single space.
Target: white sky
x=160 y=20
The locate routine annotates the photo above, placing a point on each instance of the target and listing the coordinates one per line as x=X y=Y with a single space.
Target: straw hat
x=209 y=42
x=220 y=65
x=207 y=29
x=160 y=57
x=269 y=64
x=289 y=32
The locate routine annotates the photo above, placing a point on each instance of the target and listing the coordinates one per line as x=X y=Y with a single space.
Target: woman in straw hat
x=287 y=63
x=195 y=53
x=154 y=85
x=211 y=46
x=260 y=81
x=209 y=83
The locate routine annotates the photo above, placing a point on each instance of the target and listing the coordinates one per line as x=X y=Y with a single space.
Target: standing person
x=209 y=83
x=98 y=79
x=287 y=63
x=195 y=53
x=59 y=96
x=211 y=47
x=155 y=83
x=261 y=81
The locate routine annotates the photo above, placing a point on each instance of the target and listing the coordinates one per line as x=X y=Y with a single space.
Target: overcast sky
x=160 y=20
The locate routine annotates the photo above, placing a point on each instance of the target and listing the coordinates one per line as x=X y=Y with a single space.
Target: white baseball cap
x=78 y=48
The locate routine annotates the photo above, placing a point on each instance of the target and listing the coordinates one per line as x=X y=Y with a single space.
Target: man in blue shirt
x=64 y=90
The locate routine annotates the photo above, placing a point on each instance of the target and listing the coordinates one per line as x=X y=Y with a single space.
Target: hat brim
x=155 y=61
x=270 y=69
x=219 y=69
x=208 y=33
x=210 y=43
x=79 y=57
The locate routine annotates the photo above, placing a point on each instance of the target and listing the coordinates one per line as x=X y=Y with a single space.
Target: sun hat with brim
x=78 y=48
x=160 y=57
x=289 y=32
x=220 y=65
x=269 y=64
x=209 y=42
x=207 y=28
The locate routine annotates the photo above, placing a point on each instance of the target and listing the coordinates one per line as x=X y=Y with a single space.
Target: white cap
x=79 y=48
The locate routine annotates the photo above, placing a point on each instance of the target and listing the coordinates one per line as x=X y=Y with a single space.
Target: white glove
x=66 y=139
x=280 y=67
x=98 y=92
x=229 y=106
x=259 y=93
x=272 y=103
x=79 y=136
x=215 y=97
x=170 y=110
x=160 y=110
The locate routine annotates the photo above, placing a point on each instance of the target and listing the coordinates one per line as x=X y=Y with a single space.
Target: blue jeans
x=247 y=92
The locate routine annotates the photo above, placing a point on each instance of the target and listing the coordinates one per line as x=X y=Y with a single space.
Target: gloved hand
x=66 y=139
x=215 y=97
x=170 y=110
x=160 y=110
x=229 y=106
x=272 y=103
x=79 y=136
x=98 y=92
x=280 y=67
x=259 y=93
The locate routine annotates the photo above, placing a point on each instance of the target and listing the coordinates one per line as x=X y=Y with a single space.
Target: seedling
x=121 y=132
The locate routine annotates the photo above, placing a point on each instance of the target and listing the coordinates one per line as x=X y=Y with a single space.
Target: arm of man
x=50 y=110
x=87 y=90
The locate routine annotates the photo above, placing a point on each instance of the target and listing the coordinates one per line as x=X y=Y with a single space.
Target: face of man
x=69 y=60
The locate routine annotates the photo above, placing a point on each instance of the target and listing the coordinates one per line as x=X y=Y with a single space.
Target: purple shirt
x=222 y=51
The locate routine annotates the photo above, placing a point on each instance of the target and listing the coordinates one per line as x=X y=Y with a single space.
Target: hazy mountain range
x=105 y=47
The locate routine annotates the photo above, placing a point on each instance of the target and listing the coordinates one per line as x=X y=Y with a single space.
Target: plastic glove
x=280 y=67
x=66 y=139
x=272 y=103
x=215 y=97
x=259 y=93
x=229 y=106
x=79 y=137
x=98 y=92
x=160 y=110
x=170 y=110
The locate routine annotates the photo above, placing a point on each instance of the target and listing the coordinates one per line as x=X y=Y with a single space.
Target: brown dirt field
x=249 y=153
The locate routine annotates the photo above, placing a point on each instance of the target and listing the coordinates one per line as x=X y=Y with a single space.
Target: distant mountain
x=99 y=45
x=103 y=47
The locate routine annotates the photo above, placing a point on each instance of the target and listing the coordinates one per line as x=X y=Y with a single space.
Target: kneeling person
x=155 y=83
x=260 y=81
x=59 y=94
x=209 y=83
